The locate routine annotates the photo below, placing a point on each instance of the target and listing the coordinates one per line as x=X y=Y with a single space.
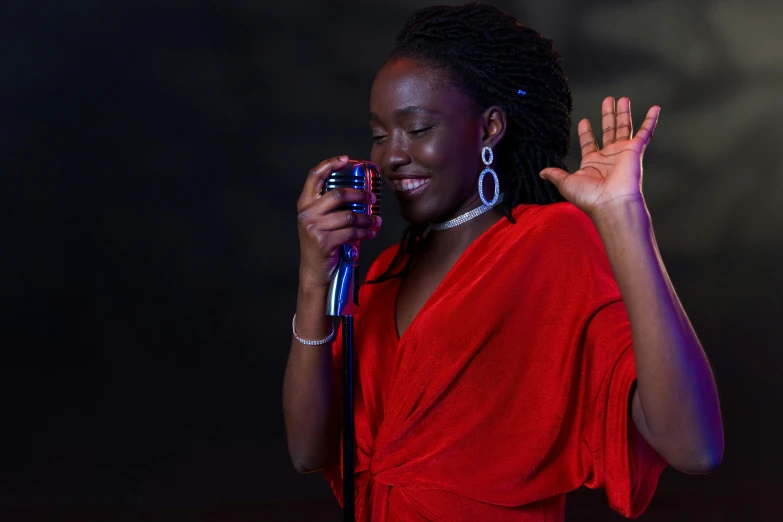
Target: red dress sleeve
x=619 y=459
x=612 y=455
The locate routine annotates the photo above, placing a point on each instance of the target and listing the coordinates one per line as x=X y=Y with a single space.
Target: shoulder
x=561 y=220
x=558 y=227
x=561 y=235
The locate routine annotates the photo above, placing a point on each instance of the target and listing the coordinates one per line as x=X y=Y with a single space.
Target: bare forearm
x=311 y=425
x=676 y=390
x=311 y=419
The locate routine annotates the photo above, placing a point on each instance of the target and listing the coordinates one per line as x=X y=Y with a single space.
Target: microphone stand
x=348 y=426
x=341 y=290
x=343 y=294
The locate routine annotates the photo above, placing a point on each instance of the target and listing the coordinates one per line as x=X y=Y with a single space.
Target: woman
x=522 y=342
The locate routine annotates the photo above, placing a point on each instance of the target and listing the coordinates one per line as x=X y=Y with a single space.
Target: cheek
x=439 y=154
x=453 y=157
x=376 y=155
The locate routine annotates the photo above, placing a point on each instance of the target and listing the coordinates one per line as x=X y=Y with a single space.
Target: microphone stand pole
x=341 y=290
x=343 y=293
x=348 y=426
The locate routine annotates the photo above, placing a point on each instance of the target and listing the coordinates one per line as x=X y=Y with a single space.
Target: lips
x=409 y=184
x=406 y=189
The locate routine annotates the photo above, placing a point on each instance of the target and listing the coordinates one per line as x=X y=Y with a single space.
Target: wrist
x=312 y=342
x=620 y=212
x=313 y=285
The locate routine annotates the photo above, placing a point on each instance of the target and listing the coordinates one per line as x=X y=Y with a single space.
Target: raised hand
x=612 y=174
x=322 y=229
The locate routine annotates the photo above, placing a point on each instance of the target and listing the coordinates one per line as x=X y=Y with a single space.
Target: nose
x=395 y=154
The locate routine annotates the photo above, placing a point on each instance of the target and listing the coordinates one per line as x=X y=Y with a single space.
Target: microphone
x=356 y=174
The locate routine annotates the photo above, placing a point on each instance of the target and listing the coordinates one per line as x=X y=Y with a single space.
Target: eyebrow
x=405 y=111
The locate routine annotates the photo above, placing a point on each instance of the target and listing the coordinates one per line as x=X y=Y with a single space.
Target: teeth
x=406 y=185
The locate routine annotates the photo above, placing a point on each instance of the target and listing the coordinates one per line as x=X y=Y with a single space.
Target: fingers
x=624 y=124
x=348 y=218
x=586 y=137
x=556 y=176
x=648 y=125
x=324 y=223
x=344 y=232
x=319 y=173
x=347 y=235
x=334 y=199
x=608 y=121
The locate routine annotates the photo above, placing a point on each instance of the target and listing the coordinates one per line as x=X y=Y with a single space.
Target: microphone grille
x=357 y=174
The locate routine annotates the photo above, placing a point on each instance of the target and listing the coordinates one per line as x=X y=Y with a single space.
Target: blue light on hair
x=521 y=92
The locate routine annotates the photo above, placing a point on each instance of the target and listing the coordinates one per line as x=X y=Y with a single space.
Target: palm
x=613 y=173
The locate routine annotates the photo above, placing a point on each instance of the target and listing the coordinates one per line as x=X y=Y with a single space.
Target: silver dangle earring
x=486 y=157
x=488 y=170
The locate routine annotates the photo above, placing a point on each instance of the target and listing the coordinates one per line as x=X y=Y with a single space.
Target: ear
x=493 y=122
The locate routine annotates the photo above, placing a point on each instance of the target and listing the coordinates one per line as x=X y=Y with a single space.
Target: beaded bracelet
x=307 y=342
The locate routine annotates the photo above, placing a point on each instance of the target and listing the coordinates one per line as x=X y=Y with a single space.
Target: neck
x=458 y=238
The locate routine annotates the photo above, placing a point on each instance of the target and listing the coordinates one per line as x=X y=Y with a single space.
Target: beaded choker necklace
x=467 y=216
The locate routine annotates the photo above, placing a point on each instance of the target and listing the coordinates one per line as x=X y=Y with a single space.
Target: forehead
x=410 y=83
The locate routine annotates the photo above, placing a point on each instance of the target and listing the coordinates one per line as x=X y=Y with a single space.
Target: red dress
x=509 y=388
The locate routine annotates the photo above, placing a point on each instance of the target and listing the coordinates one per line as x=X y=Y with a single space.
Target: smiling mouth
x=410 y=184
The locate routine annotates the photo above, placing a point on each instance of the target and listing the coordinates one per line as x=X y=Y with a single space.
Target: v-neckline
x=440 y=285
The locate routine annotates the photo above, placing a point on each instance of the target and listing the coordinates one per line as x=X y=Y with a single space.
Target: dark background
x=152 y=156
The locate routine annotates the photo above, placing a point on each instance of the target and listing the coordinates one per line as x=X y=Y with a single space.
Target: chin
x=416 y=214
x=414 y=218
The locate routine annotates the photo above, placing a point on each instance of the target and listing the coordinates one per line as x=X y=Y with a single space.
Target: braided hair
x=495 y=60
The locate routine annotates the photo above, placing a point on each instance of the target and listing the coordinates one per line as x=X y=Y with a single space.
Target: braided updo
x=495 y=60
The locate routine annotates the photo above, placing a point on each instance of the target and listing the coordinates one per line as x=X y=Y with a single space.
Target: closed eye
x=421 y=131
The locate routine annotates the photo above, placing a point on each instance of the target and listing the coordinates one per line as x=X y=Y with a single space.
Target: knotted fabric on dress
x=509 y=388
